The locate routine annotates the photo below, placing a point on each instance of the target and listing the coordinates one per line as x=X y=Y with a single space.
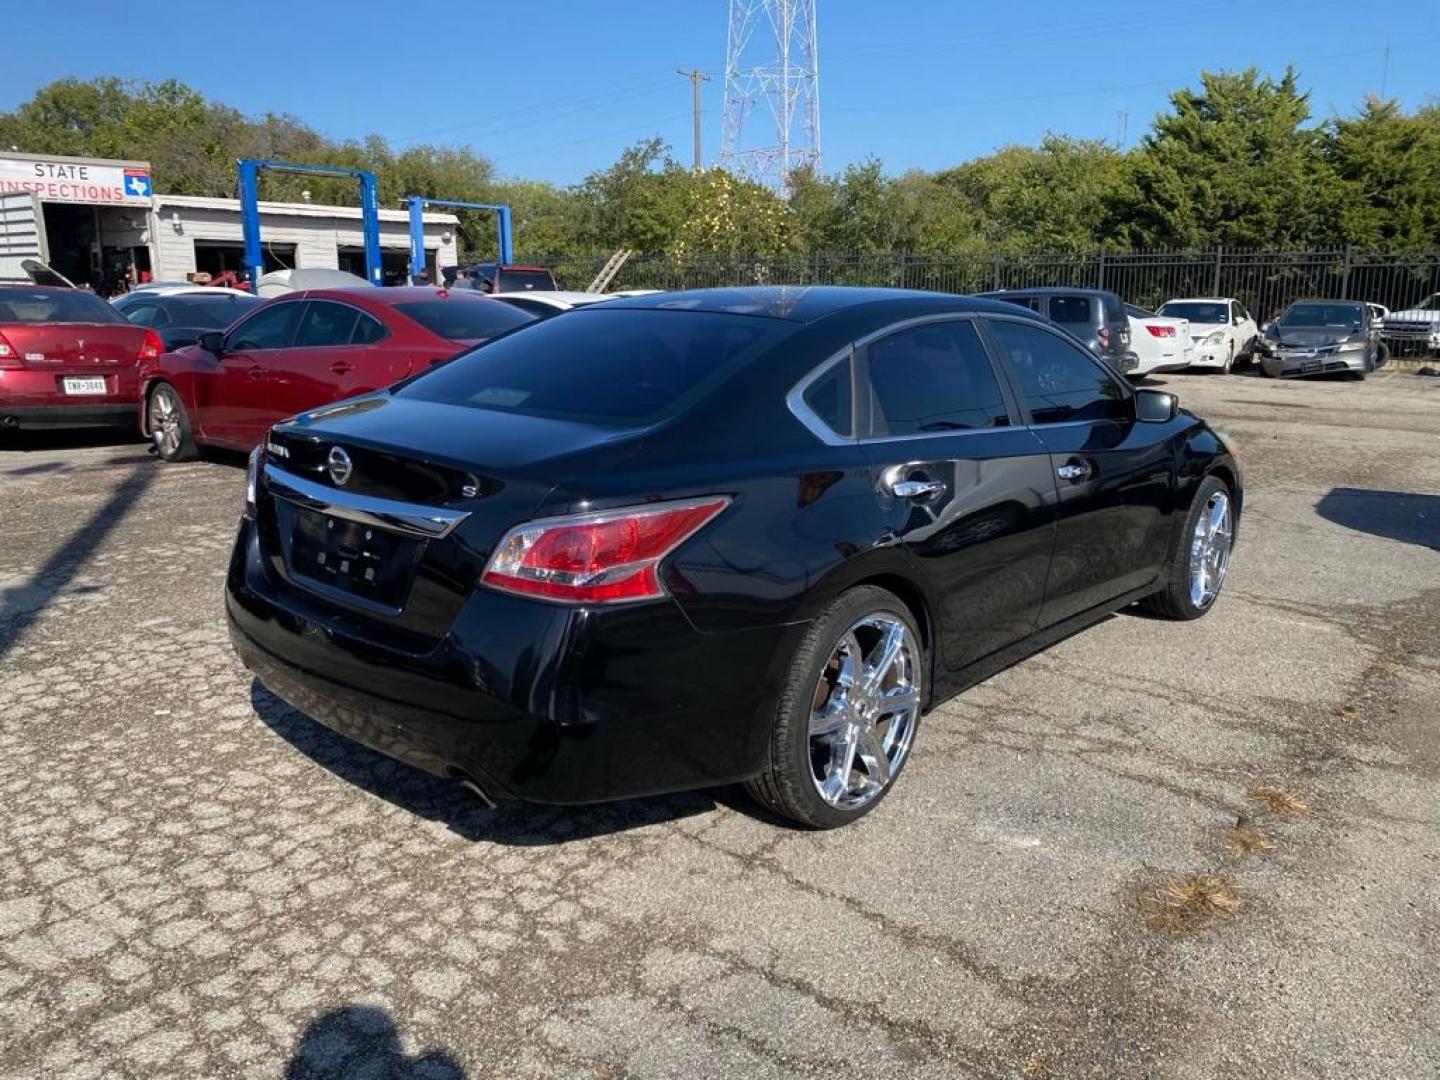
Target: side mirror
x=1265 y=327
x=212 y=341
x=1155 y=406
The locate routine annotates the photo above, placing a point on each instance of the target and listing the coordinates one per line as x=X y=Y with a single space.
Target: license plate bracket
x=366 y=561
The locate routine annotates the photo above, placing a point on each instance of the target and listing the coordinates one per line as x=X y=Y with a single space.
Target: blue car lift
x=249 y=172
x=418 y=203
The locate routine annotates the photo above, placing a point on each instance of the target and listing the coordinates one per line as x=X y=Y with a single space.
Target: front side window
x=269 y=329
x=1059 y=381
x=931 y=378
x=325 y=324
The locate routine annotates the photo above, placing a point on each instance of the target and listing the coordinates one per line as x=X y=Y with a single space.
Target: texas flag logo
x=137 y=184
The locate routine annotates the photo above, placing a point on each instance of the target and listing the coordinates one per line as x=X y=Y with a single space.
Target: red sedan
x=303 y=350
x=68 y=359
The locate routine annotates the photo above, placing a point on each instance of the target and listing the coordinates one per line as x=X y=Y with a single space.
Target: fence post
x=901 y=259
x=1219 y=260
x=1100 y=270
x=1345 y=276
x=995 y=272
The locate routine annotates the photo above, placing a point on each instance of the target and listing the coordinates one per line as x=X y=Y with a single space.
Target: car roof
x=20 y=287
x=1200 y=300
x=801 y=303
x=387 y=297
x=1050 y=290
x=164 y=291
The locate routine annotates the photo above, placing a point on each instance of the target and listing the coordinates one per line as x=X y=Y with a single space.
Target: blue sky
x=554 y=90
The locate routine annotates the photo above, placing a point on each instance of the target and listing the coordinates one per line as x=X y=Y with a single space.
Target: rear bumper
x=530 y=700
x=32 y=398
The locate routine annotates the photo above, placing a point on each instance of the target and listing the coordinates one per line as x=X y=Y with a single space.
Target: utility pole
x=696 y=77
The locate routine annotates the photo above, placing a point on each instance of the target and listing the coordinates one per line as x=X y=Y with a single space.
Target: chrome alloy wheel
x=865 y=710
x=1210 y=550
x=165 y=421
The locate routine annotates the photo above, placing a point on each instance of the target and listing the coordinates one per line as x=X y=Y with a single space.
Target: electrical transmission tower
x=771 y=59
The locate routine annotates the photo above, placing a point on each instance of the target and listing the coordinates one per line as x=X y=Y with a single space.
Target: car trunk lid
x=385 y=542
x=79 y=348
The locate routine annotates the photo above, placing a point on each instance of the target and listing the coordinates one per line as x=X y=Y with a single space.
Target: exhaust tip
x=476 y=790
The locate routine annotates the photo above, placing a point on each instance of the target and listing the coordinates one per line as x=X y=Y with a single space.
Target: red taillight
x=1104 y=335
x=603 y=558
x=1160 y=331
x=9 y=358
x=151 y=346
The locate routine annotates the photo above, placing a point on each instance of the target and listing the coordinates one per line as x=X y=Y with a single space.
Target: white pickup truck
x=1417 y=325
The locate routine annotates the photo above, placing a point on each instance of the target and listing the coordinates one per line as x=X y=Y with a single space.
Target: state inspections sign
x=75 y=182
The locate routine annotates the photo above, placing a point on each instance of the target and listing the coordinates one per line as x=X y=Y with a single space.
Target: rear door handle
x=1073 y=471
x=257 y=373
x=339 y=367
x=916 y=489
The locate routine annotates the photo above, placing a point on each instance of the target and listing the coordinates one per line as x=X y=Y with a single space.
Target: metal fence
x=1265 y=281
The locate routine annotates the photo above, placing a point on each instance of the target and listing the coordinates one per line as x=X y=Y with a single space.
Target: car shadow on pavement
x=1396 y=515
x=361 y=1040
x=70 y=439
x=22 y=605
x=445 y=802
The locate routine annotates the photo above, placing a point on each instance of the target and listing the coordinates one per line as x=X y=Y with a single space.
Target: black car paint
x=558 y=704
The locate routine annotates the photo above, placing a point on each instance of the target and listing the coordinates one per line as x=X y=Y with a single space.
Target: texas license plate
x=87 y=385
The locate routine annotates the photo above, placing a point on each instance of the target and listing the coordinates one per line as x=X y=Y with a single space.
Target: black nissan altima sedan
x=694 y=538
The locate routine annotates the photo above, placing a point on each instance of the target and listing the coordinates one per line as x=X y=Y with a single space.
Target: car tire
x=1181 y=596
x=169 y=424
x=831 y=727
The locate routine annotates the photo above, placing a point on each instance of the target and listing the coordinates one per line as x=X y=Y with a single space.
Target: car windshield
x=210 y=312
x=618 y=367
x=1196 y=311
x=465 y=318
x=1328 y=315
x=57 y=306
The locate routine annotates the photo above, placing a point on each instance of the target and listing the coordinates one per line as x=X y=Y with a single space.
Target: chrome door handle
x=1073 y=471
x=916 y=489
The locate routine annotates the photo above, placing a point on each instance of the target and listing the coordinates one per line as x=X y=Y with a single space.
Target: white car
x=1221 y=328
x=183 y=288
x=1416 y=325
x=544 y=303
x=1158 y=342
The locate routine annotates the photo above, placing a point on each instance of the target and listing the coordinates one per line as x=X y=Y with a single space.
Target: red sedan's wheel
x=169 y=424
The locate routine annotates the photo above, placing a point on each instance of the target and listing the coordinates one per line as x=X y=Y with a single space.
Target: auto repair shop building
x=95 y=220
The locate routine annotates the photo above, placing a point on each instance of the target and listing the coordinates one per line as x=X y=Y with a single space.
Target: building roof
x=295 y=209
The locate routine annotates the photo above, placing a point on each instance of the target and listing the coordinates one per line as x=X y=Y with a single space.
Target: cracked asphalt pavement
x=195 y=880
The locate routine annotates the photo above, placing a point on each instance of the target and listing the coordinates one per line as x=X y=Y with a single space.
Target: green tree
x=1232 y=163
x=1389 y=166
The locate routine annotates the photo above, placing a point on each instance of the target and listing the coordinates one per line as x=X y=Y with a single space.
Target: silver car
x=1315 y=337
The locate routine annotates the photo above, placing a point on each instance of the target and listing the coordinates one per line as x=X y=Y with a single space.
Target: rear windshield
x=1196 y=311
x=1323 y=315
x=523 y=280
x=611 y=367
x=60 y=306
x=210 y=312
x=1071 y=310
x=464 y=318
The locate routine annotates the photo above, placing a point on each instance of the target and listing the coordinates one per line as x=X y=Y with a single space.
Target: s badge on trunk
x=338 y=464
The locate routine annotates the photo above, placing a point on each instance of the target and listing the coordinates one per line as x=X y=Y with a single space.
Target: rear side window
x=1072 y=310
x=829 y=398
x=464 y=318
x=618 y=367
x=367 y=331
x=59 y=306
x=1059 y=381
x=931 y=378
x=1021 y=301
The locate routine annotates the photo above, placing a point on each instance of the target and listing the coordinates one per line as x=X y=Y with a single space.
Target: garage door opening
x=394 y=265
x=100 y=247
x=225 y=262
